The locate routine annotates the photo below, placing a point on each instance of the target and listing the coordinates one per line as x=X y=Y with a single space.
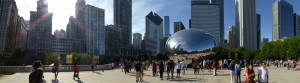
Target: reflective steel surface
x=189 y=41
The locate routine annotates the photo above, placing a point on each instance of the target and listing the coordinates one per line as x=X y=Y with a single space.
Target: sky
x=178 y=10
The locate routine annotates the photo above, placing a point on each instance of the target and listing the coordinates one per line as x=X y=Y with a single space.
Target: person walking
x=138 y=71
x=231 y=67
x=281 y=62
x=92 y=66
x=225 y=63
x=250 y=74
x=215 y=66
x=294 y=63
x=161 y=70
x=183 y=66
x=37 y=74
x=178 y=67
x=238 y=72
x=76 y=71
x=154 y=68
x=143 y=66
x=55 y=67
x=204 y=65
x=170 y=69
x=263 y=74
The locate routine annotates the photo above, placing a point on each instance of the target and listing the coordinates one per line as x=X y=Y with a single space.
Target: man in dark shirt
x=138 y=70
x=170 y=68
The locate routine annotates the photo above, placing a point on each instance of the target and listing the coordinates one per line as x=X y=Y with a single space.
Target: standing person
x=250 y=74
x=142 y=70
x=231 y=67
x=238 y=72
x=76 y=71
x=215 y=66
x=126 y=66
x=225 y=63
x=92 y=66
x=294 y=64
x=183 y=66
x=161 y=70
x=263 y=74
x=280 y=63
x=37 y=75
x=221 y=64
x=178 y=67
x=208 y=65
x=154 y=68
x=170 y=69
x=195 y=67
x=138 y=71
x=55 y=67
x=246 y=64
x=204 y=65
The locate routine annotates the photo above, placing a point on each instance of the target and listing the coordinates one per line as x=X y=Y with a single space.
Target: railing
x=62 y=68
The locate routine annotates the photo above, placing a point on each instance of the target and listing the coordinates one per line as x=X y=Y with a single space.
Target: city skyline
x=176 y=13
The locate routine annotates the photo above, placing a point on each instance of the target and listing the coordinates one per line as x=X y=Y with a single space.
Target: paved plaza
x=277 y=75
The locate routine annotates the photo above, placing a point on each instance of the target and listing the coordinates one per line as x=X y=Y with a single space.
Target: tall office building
x=167 y=26
x=283 y=25
x=40 y=31
x=208 y=16
x=80 y=20
x=123 y=19
x=60 y=34
x=21 y=36
x=246 y=23
x=95 y=30
x=112 y=37
x=71 y=28
x=258 y=18
x=137 y=40
x=232 y=37
x=178 y=26
x=297 y=24
x=154 y=32
x=8 y=26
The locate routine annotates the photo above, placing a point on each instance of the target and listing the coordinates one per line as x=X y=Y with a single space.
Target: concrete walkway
x=277 y=75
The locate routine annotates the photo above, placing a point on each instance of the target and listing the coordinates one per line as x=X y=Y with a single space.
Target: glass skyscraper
x=283 y=24
x=208 y=16
x=167 y=26
x=123 y=19
x=297 y=24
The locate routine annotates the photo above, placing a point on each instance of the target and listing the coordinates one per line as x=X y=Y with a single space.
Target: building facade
x=154 y=33
x=64 y=46
x=208 y=16
x=95 y=30
x=167 y=26
x=246 y=23
x=21 y=36
x=60 y=34
x=178 y=26
x=8 y=26
x=137 y=40
x=112 y=37
x=283 y=25
x=71 y=28
x=123 y=19
x=258 y=18
x=40 y=31
x=297 y=24
x=232 y=37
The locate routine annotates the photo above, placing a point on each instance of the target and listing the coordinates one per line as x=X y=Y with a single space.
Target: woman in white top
x=178 y=67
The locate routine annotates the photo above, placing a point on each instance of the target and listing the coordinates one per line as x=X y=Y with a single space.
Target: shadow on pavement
x=189 y=80
x=79 y=81
x=55 y=81
x=98 y=73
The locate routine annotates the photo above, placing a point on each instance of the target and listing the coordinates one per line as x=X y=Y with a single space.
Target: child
x=76 y=72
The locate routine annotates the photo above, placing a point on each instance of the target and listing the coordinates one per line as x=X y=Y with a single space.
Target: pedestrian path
x=277 y=75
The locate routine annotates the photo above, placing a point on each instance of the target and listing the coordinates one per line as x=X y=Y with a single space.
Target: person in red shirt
x=76 y=72
x=215 y=66
x=294 y=64
x=250 y=74
x=154 y=68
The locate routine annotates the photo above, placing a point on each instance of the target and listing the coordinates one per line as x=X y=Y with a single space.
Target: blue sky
x=178 y=10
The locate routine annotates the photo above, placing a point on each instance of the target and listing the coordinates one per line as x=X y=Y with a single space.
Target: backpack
x=32 y=77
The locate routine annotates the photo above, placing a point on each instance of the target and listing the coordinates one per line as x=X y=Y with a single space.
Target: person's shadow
x=55 y=81
x=79 y=81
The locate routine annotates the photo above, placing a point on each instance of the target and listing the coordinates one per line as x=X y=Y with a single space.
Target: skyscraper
x=123 y=19
x=283 y=24
x=71 y=28
x=137 y=40
x=232 y=37
x=167 y=26
x=40 y=31
x=95 y=30
x=246 y=23
x=297 y=24
x=8 y=26
x=258 y=30
x=208 y=16
x=178 y=26
x=154 y=32
x=80 y=20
